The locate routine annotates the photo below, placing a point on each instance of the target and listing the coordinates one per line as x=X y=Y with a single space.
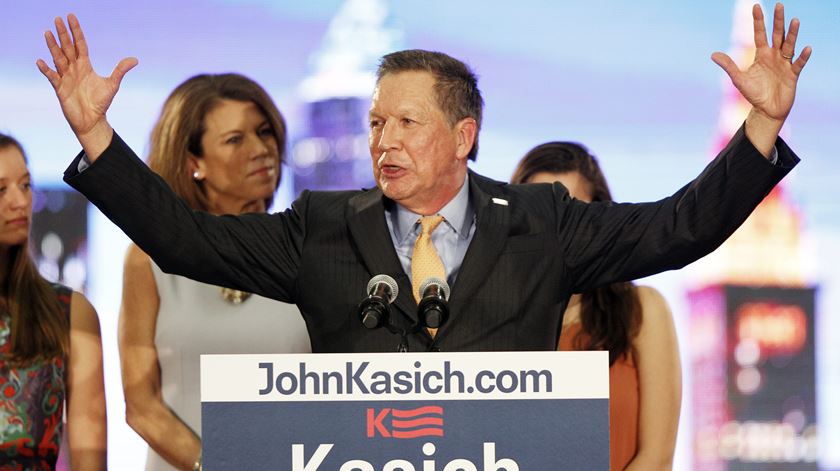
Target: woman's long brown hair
x=611 y=315
x=39 y=327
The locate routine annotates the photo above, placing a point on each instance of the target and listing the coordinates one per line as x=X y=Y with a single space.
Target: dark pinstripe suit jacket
x=533 y=247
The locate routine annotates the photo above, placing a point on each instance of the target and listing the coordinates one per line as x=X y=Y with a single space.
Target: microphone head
x=392 y=292
x=443 y=287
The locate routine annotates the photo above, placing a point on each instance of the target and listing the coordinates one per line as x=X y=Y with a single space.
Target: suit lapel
x=366 y=221
x=491 y=232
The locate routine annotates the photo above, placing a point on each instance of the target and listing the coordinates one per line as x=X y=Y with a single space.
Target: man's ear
x=466 y=131
x=195 y=165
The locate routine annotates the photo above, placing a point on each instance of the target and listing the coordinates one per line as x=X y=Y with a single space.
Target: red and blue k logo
x=424 y=421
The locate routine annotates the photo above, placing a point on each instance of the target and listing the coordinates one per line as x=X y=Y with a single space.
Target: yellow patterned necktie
x=425 y=261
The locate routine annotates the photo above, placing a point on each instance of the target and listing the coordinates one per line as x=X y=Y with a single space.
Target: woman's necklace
x=234 y=296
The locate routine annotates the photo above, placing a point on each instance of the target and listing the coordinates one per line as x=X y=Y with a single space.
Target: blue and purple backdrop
x=633 y=81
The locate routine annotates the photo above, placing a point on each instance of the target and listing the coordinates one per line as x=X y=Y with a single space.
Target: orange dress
x=624 y=401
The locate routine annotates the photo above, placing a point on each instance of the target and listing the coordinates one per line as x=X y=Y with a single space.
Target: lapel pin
x=500 y=201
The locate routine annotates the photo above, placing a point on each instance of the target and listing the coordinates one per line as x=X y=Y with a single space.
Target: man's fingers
x=56 y=52
x=758 y=27
x=122 y=68
x=778 y=25
x=78 y=35
x=50 y=74
x=64 y=40
x=727 y=64
x=802 y=60
x=789 y=46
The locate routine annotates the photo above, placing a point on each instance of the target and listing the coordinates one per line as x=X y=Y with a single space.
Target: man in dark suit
x=513 y=254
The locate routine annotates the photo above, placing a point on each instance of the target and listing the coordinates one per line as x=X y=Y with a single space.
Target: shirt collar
x=457 y=209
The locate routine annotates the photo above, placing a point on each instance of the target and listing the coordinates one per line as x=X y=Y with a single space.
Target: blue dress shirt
x=451 y=239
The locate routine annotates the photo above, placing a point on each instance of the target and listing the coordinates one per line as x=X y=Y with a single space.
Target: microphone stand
x=402 y=347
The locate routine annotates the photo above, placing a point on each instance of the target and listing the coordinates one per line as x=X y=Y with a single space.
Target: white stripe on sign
x=405 y=376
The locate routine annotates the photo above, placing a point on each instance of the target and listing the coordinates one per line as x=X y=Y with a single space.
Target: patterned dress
x=31 y=404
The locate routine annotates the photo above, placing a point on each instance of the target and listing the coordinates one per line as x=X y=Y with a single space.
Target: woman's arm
x=660 y=384
x=145 y=410
x=86 y=424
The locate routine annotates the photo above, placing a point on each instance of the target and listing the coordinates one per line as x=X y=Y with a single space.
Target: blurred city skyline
x=634 y=82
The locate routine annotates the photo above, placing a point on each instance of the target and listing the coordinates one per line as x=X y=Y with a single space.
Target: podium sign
x=495 y=411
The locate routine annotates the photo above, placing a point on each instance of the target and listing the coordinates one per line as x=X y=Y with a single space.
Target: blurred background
x=757 y=320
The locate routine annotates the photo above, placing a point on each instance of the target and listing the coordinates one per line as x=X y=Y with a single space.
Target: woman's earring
x=196 y=175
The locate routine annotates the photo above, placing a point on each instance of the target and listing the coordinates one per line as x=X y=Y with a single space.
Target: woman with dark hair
x=219 y=144
x=50 y=346
x=632 y=322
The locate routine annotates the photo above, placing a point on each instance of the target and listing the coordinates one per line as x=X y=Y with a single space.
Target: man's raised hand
x=83 y=95
x=769 y=83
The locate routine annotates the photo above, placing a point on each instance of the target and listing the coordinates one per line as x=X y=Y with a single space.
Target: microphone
x=374 y=311
x=433 y=310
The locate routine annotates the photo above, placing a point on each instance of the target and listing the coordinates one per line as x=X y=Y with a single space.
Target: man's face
x=419 y=160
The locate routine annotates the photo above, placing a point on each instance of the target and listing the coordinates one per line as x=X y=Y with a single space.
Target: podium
x=493 y=411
